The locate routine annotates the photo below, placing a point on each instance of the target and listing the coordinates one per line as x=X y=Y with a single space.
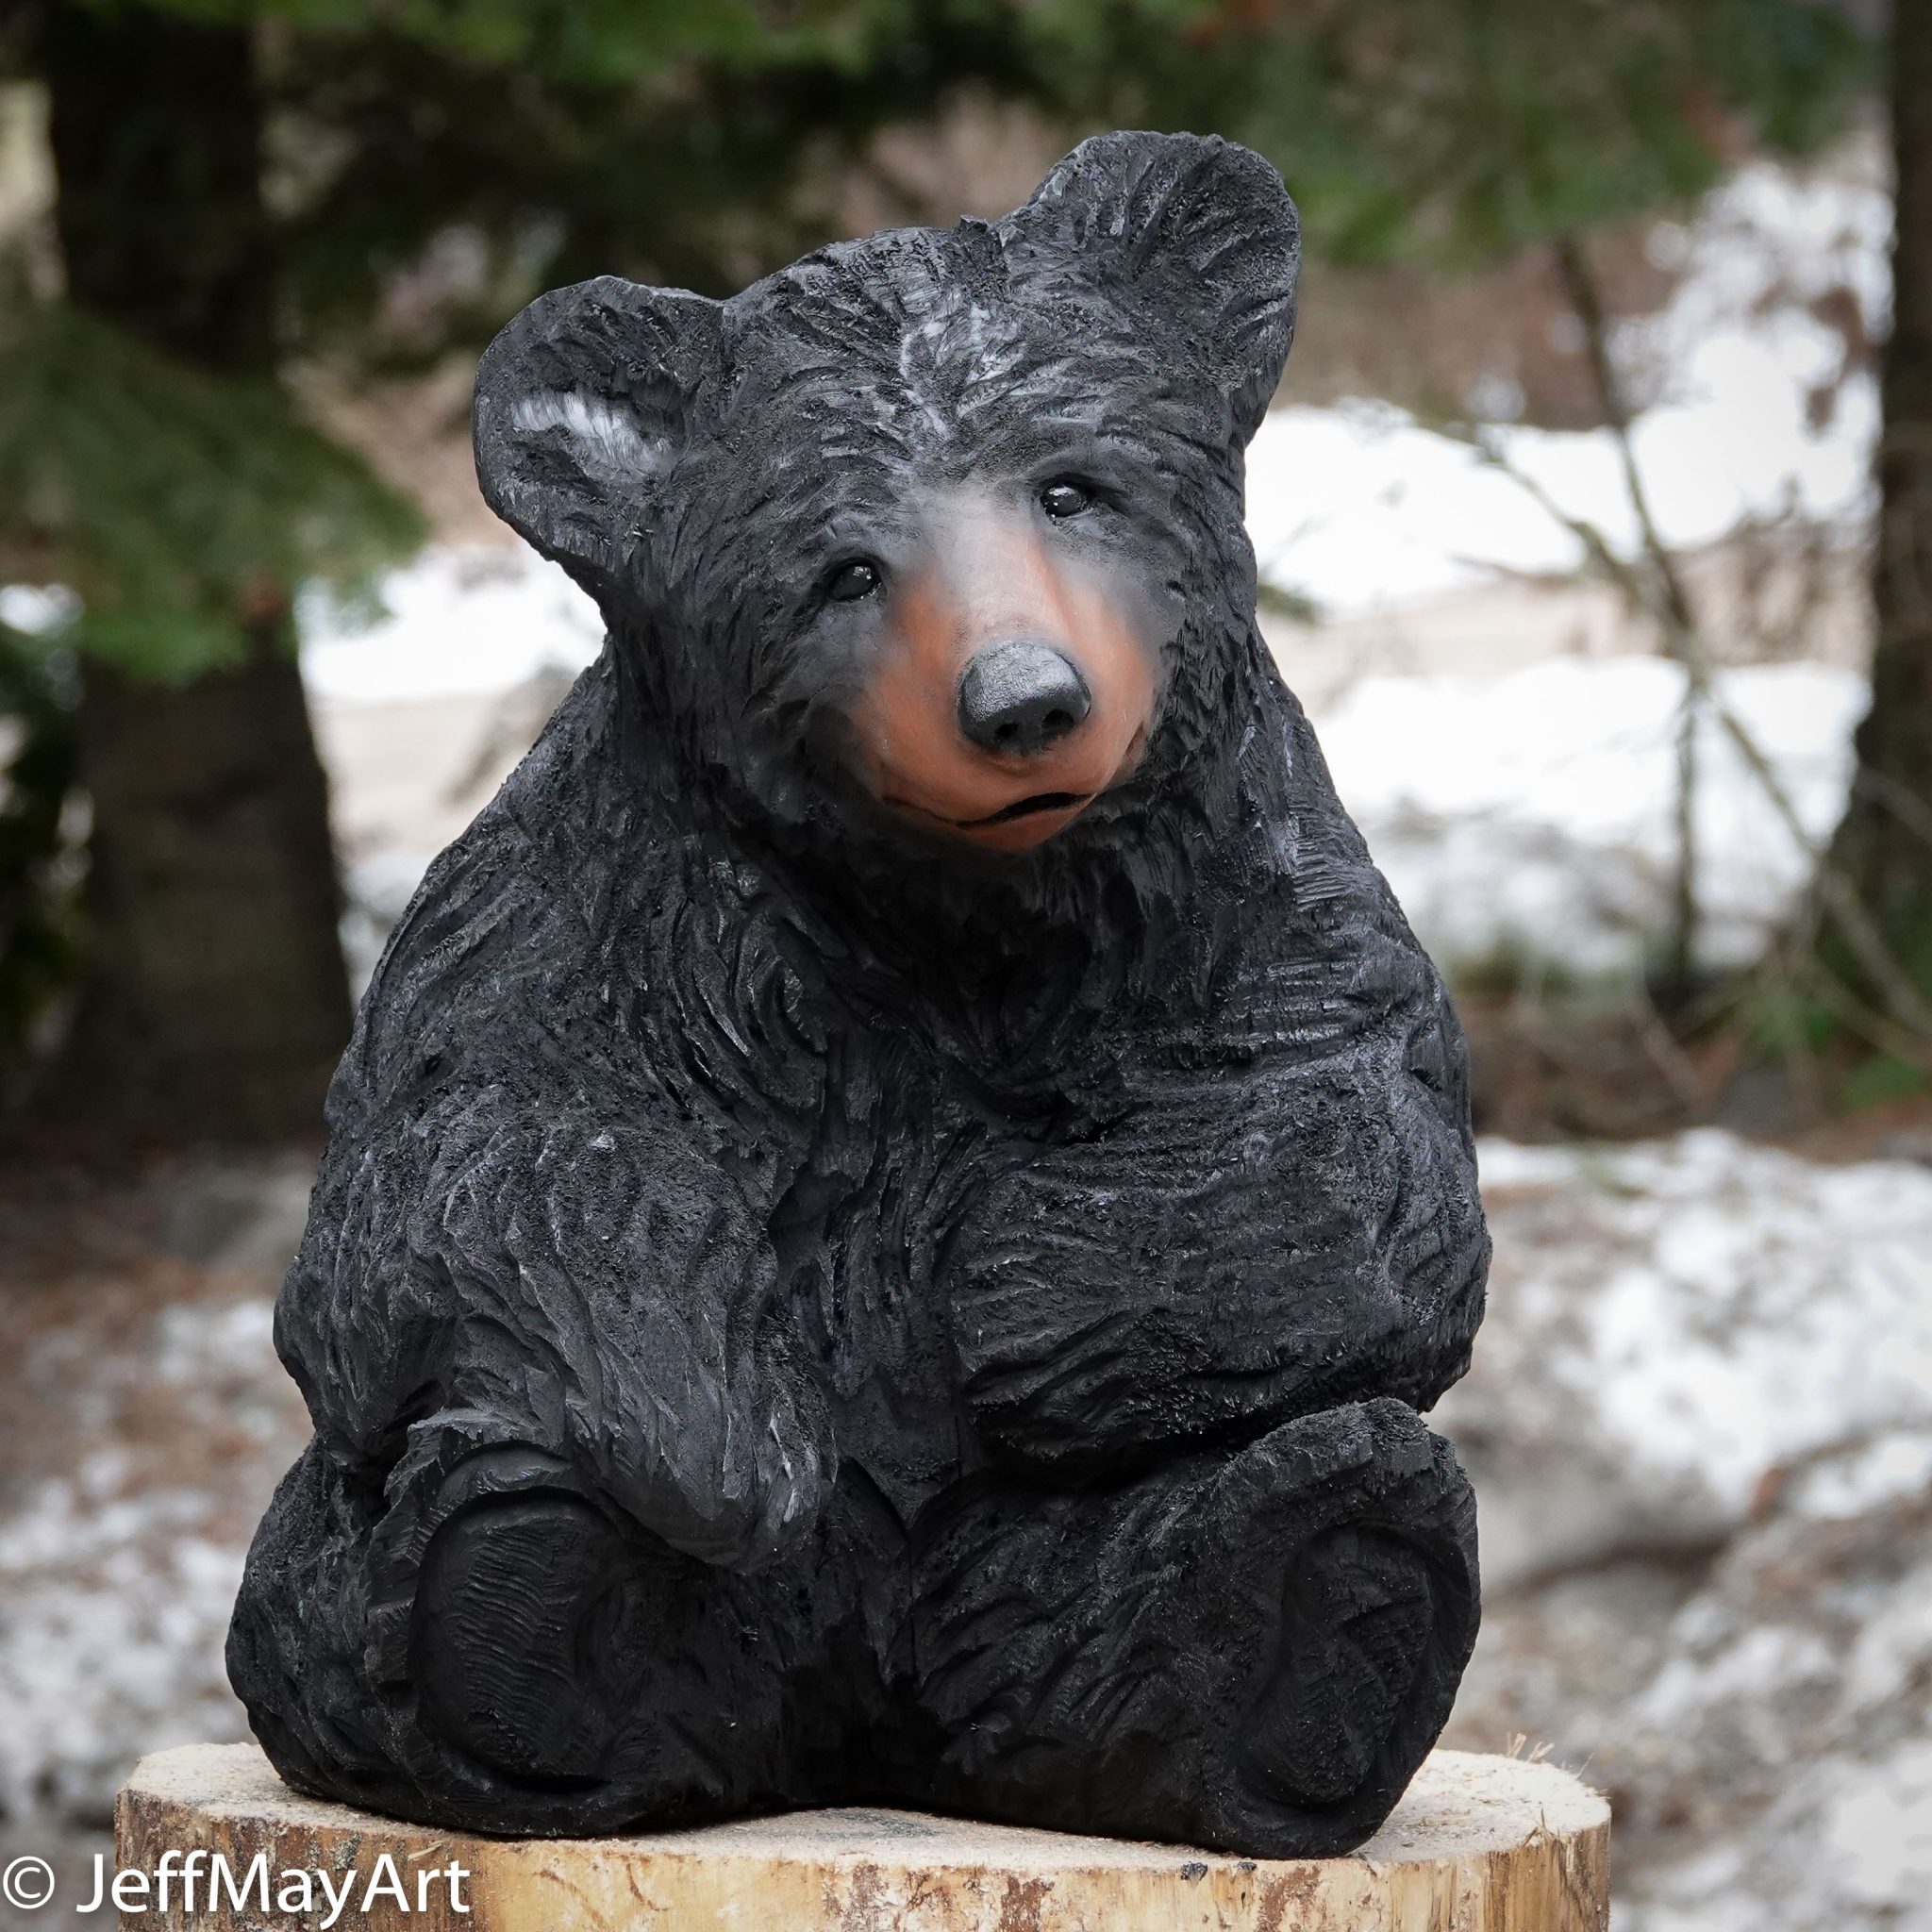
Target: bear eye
x=1062 y=499
x=852 y=581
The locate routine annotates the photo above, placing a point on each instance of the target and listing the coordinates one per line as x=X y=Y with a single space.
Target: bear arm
x=583 y=1280
x=1229 y=1255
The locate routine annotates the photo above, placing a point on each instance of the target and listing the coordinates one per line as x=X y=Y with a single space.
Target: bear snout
x=1020 y=696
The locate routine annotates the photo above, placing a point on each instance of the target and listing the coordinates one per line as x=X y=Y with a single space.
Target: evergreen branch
x=180 y=505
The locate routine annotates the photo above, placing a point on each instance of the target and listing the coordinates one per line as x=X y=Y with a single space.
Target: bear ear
x=1197 y=227
x=582 y=405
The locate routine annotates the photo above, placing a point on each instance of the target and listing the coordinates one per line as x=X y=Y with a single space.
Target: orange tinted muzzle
x=1011 y=691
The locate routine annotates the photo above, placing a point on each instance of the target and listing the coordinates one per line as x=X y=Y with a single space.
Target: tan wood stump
x=1479 y=1845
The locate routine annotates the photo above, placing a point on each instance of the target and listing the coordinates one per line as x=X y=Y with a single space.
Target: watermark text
x=189 y=1883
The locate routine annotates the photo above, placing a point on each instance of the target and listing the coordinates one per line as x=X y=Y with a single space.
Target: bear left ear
x=1199 y=227
x=582 y=406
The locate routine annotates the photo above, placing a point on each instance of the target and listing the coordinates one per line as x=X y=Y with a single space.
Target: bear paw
x=1359 y=1614
x=1348 y=1539
x=528 y=1626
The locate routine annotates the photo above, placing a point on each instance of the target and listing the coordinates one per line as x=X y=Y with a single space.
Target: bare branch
x=1665 y=602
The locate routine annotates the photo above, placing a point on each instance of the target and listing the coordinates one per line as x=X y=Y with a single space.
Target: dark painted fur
x=796 y=1313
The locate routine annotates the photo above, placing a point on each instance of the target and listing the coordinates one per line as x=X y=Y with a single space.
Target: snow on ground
x=115 y=1612
x=1699 y=1425
x=143 y=1421
x=1673 y=1327
x=469 y=618
x=1532 y=814
x=1762 y=1718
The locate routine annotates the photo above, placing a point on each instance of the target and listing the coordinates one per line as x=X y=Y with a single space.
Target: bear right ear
x=582 y=405
x=1198 y=230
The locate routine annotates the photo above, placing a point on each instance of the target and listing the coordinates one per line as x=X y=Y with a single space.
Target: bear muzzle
x=1011 y=691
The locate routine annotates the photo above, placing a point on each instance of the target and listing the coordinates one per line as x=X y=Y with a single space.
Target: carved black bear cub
x=895 y=1197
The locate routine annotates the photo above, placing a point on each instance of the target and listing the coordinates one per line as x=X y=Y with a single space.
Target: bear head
x=940 y=530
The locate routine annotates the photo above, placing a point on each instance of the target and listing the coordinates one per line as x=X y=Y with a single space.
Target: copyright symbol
x=27 y=1883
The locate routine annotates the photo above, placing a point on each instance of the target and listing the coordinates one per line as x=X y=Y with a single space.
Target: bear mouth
x=1017 y=826
x=1036 y=804
x=1026 y=808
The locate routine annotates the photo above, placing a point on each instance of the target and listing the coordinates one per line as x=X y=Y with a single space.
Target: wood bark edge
x=1479 y=1845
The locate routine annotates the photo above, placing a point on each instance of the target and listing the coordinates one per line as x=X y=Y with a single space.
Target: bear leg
x=296 y=1641
x=496 y=1648
x=1253 y=1654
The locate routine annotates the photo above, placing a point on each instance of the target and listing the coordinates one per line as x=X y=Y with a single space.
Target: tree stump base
x=1478 y=1844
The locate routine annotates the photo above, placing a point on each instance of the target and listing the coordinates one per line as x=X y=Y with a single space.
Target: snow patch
x=1532 y=814
x=1675 y=1325
x=1877 y=1830
x=456 y=618
x=1363 y=508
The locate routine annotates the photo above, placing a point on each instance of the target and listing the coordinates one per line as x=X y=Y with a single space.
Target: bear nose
x=1020 y=696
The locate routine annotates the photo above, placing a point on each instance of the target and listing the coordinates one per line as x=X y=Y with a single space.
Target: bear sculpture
x=895 y=1198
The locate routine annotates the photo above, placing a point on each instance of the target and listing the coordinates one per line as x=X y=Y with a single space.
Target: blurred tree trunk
x=215 y=998
x=1884 y=846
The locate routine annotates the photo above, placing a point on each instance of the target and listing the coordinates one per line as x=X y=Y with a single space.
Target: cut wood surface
x=1478 y=1844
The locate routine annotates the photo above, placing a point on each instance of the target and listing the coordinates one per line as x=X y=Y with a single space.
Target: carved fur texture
x=806 y=1304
